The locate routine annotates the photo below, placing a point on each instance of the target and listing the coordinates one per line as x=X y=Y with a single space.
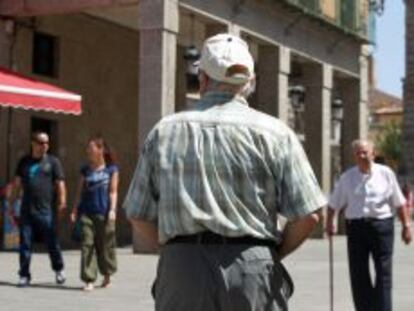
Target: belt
x=210 y=238
x=367 y=220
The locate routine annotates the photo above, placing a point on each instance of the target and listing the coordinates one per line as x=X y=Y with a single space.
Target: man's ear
x=203 y=79
x=253 y=84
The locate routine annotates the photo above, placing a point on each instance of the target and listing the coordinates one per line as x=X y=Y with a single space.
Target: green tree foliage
x=389 y=144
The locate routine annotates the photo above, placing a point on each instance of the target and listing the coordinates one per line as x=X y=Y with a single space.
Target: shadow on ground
x=44 y=286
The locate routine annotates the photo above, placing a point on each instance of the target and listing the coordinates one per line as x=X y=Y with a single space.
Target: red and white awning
x=22 y=92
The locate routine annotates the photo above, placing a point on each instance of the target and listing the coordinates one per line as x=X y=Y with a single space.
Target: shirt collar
x=212 y=98
x=374 y=167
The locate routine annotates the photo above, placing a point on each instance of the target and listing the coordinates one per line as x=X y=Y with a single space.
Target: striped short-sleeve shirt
x=222 y=167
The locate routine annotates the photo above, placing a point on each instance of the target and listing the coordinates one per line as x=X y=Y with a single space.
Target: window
x=45 y=55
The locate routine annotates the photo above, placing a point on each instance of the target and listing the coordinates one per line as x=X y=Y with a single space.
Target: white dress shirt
x=373 y=195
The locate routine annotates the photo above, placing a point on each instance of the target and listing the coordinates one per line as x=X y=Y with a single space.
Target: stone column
x=318 y=88
x=158 y=29
x=318 y=80
x=408 y=123
x=5 y=60
x=354 y=94
x=273 y=81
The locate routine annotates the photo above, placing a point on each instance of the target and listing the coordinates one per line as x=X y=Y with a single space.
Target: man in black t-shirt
x=40 y=177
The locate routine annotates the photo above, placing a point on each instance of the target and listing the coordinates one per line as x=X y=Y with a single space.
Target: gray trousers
x=198 y=277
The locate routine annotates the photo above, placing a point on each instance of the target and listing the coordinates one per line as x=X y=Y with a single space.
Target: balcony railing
x=351 y=16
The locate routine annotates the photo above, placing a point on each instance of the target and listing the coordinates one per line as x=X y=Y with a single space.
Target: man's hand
x=73 y=215
x=405 y=220
x=331 y=228
x=406 y=234
x=112 y=215
x=61 y=207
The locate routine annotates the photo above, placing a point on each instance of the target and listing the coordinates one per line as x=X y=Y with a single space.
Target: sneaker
x=60 y=277
x=106 y=282
x=88 y=287
x=24 y=281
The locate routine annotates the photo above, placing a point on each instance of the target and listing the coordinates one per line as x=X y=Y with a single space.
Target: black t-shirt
x=38 y=179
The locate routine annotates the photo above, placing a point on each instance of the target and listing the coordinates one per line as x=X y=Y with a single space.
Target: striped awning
x=18 y=91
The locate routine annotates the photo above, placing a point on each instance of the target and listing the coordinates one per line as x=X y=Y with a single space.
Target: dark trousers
x=371 y=238
x=197 y=277
x=43 y=226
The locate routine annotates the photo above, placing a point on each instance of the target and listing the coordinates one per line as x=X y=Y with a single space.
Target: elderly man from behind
x=369 y=193
x=208 y=189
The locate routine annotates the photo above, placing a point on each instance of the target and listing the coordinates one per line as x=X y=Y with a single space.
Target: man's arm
x=61 y=195
x=148 y=231
x=296 y=232
x=59 y=178
x=406 y=233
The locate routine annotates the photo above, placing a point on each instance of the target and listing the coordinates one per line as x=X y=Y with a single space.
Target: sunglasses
x=40 y=142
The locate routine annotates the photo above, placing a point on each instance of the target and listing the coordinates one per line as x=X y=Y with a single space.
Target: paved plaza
x=130 y=291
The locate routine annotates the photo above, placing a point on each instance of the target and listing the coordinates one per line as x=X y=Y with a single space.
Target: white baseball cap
x=226 y=58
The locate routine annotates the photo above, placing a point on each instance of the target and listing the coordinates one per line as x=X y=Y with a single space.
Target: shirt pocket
x=378 y=193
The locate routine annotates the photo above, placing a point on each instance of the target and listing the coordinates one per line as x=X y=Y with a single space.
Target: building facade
x=408 y=123
x=128 y=59
x=385 y=128
x=385 y=110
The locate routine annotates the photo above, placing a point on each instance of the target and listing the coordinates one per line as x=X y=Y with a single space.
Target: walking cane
x=331 y=274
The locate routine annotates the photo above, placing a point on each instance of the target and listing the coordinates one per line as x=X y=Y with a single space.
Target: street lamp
x=191 y=53
x=377 y=6
x=337 y=110
x=192 y=56
x=297 y=97
x=297 y=102
x=337 y=115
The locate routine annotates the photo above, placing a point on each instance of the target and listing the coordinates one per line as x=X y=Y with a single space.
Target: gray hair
x=243 y=90
x=362 y=142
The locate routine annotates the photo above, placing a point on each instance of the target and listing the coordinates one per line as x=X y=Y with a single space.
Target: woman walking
x=95 y=207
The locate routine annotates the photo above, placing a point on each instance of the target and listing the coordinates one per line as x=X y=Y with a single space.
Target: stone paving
x=130 y=291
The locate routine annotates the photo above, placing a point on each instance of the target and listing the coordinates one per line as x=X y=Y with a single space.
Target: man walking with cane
x=369 y=193
x=208 y=189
